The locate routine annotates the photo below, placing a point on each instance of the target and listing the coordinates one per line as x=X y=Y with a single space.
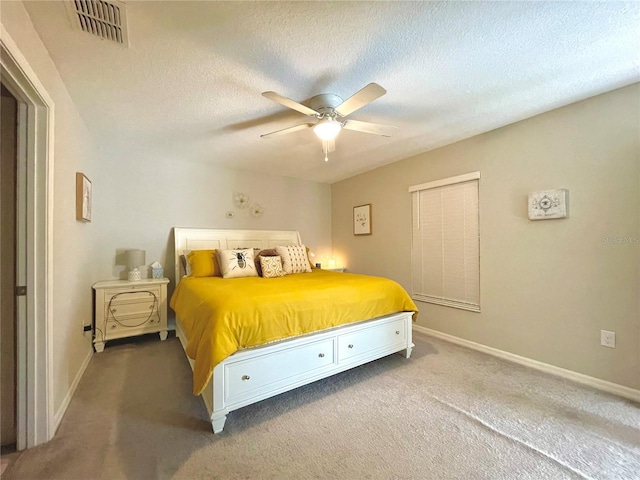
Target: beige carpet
x=447 y=412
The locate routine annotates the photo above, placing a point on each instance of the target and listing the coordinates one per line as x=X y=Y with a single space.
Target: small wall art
x=83 y=197
x=362 y=219
x=243 y=202
x=549 y=204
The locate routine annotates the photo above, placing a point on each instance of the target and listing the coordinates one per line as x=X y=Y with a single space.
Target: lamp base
x=134 y=275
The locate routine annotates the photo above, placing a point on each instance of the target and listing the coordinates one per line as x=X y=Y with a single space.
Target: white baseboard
x=603 y=385
x=72 y=389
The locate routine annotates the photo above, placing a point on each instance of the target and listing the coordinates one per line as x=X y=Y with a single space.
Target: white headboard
x=213 y=238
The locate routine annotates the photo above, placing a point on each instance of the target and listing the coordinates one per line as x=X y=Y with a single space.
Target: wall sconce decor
x=243 y=202
x=240 y=200
x=256 y=210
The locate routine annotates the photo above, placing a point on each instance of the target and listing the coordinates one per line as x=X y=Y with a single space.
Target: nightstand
x=125 y=309
x=336 y=269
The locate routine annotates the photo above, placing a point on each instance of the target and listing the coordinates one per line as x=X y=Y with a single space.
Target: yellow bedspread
x=221 y=316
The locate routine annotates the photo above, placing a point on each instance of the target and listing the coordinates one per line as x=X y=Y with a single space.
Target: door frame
x=34 y=240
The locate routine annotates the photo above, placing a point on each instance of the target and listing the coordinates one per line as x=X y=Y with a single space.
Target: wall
x=73 y=151
x=137 y=202
x=547 y=287
x=137 y=199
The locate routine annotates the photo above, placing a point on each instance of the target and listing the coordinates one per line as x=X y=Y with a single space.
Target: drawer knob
x=114 y=310
x=350 y=345
x=150 y=307
x=246 y=377
x=397 y=332
x=113 y=326
x=321 y=355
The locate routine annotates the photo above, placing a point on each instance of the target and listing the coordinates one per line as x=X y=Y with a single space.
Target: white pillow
x=294 y=259
x=237 y=263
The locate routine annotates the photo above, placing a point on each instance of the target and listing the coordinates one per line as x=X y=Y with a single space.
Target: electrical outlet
x=608 y=339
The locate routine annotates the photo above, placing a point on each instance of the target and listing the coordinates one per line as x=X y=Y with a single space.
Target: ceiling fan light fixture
x=327 y=128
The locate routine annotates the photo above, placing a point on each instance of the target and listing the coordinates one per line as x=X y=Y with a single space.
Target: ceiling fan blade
x=366 y=127
x=288 y=130
x=287 y=102
x=359 y=99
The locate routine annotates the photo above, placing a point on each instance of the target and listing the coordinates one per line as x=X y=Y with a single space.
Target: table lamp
x=135 y=258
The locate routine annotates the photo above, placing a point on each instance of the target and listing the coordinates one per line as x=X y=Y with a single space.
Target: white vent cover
x=104 y=19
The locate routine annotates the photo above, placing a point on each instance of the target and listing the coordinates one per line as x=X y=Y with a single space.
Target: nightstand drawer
x=117 y=297
x=132 y=314
x=127 y=307
x=136 y=286
x=132 y=325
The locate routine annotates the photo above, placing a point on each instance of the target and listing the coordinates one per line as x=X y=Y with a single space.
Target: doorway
x=8 y=367
x=33 y=247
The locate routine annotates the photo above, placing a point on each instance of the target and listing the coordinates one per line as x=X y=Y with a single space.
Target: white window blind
x=445 y=253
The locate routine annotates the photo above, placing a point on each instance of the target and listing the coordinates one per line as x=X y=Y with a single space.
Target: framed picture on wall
x=362 y=219
x=549 y=204
x=83 y=198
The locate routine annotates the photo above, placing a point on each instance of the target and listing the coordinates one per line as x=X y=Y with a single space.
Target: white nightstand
x=337 y=269
x=125 y=309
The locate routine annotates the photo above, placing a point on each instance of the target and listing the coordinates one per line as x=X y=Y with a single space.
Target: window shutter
x=445 y=254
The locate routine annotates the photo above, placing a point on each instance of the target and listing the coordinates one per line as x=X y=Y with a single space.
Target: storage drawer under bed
x=255 y=376
x=371 y=339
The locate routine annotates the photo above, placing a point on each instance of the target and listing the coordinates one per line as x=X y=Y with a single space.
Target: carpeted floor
x=447 y=412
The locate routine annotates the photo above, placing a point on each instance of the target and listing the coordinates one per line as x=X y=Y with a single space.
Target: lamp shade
x=327 y=128
x=135 y=258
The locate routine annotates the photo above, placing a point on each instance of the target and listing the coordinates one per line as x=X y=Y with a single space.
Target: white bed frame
x=255 y=374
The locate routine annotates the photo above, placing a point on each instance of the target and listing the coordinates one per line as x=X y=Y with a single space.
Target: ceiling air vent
x=104 y=19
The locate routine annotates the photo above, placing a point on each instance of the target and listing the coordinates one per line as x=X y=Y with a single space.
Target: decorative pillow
x=271 y=267
x=203 y=263
x=237 y=263
x=186 y=268
x=309 y=258
x=269 y=252
x=294 y=259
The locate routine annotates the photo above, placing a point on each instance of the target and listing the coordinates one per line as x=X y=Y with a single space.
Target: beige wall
x=547 y=287
x=72 y=255
x=137 y=199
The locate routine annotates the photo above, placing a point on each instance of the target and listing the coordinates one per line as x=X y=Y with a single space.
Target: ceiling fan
x=330 y=111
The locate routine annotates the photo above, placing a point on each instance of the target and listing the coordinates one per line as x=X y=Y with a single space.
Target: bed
x=328 y=327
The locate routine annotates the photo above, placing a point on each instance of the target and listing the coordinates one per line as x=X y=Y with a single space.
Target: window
x=445 y=245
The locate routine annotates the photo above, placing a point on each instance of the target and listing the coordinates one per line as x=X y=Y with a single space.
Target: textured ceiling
x=188 y=88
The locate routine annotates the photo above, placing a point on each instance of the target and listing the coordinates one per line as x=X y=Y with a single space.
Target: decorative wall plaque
x=549 y=204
